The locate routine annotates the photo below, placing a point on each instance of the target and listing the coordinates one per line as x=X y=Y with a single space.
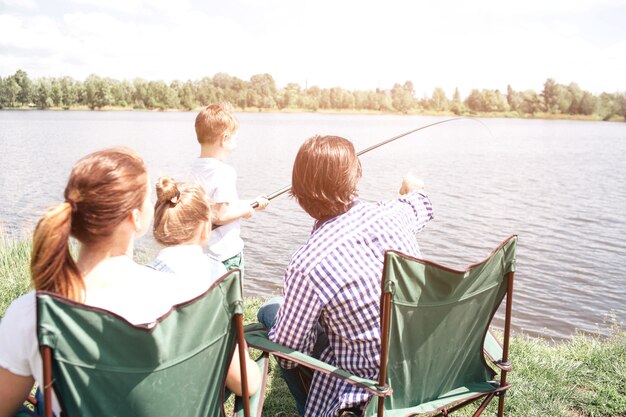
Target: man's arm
x=412 y=194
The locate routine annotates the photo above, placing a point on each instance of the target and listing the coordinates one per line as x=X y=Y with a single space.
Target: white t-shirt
x=143 y=299
x=219 y=181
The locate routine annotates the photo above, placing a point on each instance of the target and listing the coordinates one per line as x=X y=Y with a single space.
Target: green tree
x=56 y=92
x=161 y=96
x=403 y=97
x=42 y=90
x=9 y=90
x=206 y=91
x=97 y=92
x=186 y=94
x=531 y=102
x=550 y=95
x=439 y=100
x=262 y=92
x=289 y=96
x=474 y=101
x=70 y=91
x=121 y=92
x=24 y=96
x=575 y=95
x=588 y=103
x=513 y=99
x=621 y=103
x=341 y=99
x=384 y=101
x=310 y=100
x=608 y=105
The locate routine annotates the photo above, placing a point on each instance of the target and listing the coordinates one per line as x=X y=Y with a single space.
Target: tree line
x=19 y=91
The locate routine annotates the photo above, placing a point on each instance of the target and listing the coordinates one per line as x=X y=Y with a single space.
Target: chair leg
x=501 y=406
x=483 y=405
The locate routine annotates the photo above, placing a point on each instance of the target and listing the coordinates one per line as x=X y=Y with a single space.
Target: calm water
x=559 y=185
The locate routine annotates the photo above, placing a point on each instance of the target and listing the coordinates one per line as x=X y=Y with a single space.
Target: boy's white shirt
x=219 y=181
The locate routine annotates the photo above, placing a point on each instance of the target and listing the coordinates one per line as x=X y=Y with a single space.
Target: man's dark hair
x=325 y=175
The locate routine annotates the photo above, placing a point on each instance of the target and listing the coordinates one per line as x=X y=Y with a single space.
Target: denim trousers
x=298 y=379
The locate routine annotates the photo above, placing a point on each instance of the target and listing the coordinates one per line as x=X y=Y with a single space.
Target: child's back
x=219 y=182
x=216 y=130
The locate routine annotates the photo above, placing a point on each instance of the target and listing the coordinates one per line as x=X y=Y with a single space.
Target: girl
x=182 y=223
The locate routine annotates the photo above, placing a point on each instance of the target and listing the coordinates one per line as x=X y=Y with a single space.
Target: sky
x=353 y=44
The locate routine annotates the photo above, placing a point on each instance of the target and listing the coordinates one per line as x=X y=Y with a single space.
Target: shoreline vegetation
x=490 y=115
x=261 y=94
x=581 y=377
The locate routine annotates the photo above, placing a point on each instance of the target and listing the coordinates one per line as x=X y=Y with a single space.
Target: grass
x=14 y=269
x=582 y=377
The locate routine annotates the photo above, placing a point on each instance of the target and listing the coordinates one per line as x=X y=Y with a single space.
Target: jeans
x=298 y=379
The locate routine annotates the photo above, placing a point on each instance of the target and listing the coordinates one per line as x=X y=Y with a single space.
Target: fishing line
x=378 y=145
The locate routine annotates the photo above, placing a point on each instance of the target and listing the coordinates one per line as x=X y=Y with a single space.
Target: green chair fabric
x=256 y=336
x=438 y=325
x=104 y=366
x=438 y=335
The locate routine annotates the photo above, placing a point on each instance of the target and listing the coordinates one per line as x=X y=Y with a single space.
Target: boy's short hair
x=213 y=121
x=325 y=175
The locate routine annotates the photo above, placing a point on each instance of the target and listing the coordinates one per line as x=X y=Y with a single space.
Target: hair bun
x=167 y=190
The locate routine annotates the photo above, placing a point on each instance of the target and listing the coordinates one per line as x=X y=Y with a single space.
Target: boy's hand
x=261 y=202
x=410 y=183
x=248 y=211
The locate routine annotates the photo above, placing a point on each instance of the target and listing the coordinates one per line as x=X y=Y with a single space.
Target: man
x=332 y=284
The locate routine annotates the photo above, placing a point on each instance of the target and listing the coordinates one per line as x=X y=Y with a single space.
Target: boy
x=216 y=130
x=332 y=284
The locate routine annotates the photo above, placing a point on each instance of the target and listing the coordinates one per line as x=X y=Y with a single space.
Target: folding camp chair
x=101 y=365
x=435 y=336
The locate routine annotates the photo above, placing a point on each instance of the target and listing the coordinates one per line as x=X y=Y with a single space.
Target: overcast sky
x=354 y=44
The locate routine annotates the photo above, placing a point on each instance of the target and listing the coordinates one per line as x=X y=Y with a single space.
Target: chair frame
x=237 y=320
x=257 y=338
x=503 y=364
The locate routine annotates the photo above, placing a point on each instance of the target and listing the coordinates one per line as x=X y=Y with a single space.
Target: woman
x=182 y=224
x=107 y=206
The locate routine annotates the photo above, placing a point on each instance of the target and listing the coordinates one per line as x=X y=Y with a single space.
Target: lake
x=559 y=185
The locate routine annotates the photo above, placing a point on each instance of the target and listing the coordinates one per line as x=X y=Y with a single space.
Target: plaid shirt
x=335 y=279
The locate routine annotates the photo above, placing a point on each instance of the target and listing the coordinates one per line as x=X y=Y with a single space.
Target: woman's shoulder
x=21 y=307
x=18 y=334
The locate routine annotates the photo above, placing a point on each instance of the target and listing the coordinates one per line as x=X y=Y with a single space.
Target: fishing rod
x=378 y=145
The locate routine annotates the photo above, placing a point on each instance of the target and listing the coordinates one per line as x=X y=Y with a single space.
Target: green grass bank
x=584 y=376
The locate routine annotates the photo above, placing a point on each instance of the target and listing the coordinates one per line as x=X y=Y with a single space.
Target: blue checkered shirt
x=335 y=279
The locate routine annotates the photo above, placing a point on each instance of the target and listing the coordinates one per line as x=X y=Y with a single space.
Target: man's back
x=335 y=279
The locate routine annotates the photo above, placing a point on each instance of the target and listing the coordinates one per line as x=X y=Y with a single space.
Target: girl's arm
x=233 y=376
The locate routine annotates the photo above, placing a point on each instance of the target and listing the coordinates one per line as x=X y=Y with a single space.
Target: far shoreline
x=494 y=115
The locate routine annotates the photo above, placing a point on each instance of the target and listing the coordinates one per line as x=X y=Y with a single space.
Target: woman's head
x=181 y=213
x=104 y=189
x=325 y=175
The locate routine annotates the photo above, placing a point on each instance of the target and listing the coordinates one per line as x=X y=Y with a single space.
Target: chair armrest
x=493 y=351
x=256 y=337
